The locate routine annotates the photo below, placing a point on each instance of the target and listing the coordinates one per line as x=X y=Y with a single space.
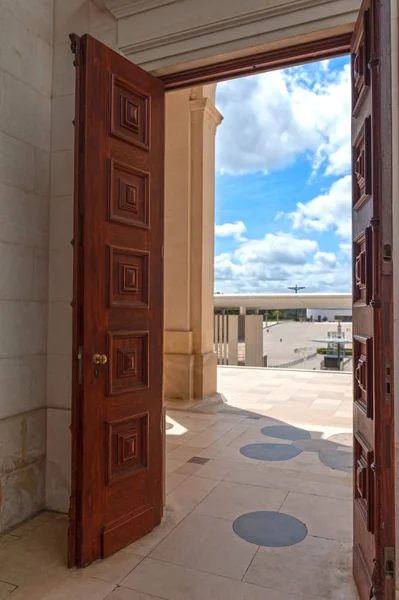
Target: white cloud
x=281 y=248
x=234 y=230
x=272 y=118
x=329 y=211
x=278 y=261
x=325 y=259
x=346 y=248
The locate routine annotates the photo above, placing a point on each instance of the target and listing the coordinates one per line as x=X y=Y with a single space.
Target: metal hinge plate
x=389 y=562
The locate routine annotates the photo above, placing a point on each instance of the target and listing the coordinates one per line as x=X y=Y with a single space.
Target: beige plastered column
x=190 y=363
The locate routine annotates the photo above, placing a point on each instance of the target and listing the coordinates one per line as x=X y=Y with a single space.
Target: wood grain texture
x=374 y=499
x=118 y=303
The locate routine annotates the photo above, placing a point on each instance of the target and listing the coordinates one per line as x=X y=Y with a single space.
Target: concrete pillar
x=190 y=363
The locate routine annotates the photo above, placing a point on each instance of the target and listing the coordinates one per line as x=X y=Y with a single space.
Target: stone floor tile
x=230 y=500
x=324 y=517
x=269 y=478
x=190 y=493
x=174 y=480
x=170 y=446
x=216 y=469
x=187 y=469
x=112 y=570
x=122 y=593
x=7 y=539
x=6 y=589
x=172 y=582
x=183 y=453
x=211 y=435
x=28 y=526
x=173 y=465
x=206 y=544
x=80 y=589
x=36 y=555
x=146 y=544
x=181 y=437
x=315 y=568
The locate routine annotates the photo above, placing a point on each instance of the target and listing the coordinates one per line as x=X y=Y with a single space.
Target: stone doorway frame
x=329 y=46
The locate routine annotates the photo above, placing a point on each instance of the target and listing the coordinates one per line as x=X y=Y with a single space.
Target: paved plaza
x=258 y=505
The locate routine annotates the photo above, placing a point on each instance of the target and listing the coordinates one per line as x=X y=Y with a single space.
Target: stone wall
x=26 y=34
x=71 y=16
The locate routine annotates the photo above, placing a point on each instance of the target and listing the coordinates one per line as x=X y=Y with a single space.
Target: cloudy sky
x=283 y=181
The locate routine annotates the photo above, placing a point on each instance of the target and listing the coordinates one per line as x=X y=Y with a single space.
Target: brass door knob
x=100 y=359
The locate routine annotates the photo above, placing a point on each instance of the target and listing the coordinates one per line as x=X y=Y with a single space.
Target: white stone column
x=178 y=359
x=190 y=364
x=204 y=120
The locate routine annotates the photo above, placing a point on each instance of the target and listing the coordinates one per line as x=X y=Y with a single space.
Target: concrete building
x=331 y=314
x=181 y=43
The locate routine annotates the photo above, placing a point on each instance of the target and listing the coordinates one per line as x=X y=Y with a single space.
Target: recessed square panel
x=130 y=116
x=129 y=195
x=363 y=374
x=128 y=364
x=364 y=480
x=361 y=159
x=360 y=64
x=127 y=446
x=362 y=267
x=129 y=278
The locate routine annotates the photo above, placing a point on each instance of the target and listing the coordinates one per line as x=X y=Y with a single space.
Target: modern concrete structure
x=283 y=301
x=331 y=314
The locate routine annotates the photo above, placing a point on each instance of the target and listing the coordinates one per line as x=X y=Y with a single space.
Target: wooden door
x=117 y=424
x=374 y=530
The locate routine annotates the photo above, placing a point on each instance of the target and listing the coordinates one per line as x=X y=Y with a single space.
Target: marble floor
x=258 y=505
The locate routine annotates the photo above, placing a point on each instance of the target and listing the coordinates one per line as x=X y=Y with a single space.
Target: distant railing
x=292 y=363
x=238 y=339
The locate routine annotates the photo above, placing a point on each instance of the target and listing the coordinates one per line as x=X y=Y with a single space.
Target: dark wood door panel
x=372 y=315
x=118 y=303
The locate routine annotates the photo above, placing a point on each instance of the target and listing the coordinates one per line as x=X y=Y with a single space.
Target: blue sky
x=283 y=180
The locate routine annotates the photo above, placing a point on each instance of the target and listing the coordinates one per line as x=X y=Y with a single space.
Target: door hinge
x=388 y=381
x=374 y=61
x=389 y=562
x=80 y=365
x=75 y=48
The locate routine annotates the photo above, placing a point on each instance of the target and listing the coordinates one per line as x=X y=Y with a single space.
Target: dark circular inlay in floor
x=270 y=452
x=339 y=460
x=269 y=528
x=168 y=426
x=286 y=432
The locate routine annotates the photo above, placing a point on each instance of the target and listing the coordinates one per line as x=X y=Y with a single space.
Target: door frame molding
x=331 y=46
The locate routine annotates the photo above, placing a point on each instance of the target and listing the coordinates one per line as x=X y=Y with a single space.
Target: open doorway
x=89 y=510
x=283 y=263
